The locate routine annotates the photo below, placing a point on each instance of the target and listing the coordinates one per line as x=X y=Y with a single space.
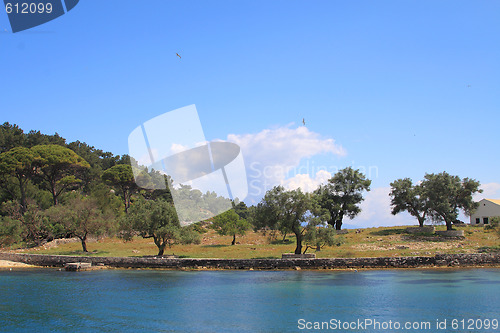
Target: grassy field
x=370 y=242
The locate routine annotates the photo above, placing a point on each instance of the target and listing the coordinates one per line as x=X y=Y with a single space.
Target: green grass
x=370 y=242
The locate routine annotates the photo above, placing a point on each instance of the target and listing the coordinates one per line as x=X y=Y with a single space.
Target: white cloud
x=305 y=182
x=270 y=154
x=490 y=191
x=376 y=211
x=176 y=148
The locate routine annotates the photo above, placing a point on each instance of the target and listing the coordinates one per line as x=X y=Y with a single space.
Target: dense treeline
x=51 y=189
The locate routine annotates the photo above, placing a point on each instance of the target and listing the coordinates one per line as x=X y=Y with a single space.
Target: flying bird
x=178 y=55
x=303 y=121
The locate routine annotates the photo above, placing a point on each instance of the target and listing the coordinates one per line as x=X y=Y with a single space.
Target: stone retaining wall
x=451 y=233
x=443 y=260
x=418 y=230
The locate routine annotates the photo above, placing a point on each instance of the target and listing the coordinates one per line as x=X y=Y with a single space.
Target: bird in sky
x=304 y=121
x=178 y=55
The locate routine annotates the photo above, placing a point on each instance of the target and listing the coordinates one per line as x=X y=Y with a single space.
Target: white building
x=487 y=209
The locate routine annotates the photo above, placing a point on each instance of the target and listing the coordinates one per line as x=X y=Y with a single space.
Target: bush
x=189 y=235
x=11 y=231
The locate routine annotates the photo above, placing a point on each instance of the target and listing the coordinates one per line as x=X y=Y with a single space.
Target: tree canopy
x=448 y=194
x=231 y=224
x=281 y=209
x=342 y=195
x=405 y=196
x=121 y=176
x=59 y=168
x=157 y=220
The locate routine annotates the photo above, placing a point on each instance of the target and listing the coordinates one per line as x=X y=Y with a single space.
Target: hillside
x=370 y=242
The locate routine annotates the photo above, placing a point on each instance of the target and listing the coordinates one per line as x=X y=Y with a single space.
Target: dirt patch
x=12 y=264
x=419 y=246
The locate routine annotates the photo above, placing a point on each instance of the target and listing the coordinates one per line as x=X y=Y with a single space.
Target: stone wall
x=443 y=260
x=451 y=233
x=418 y=230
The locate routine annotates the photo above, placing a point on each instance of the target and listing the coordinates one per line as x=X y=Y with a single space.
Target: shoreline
x=4 y=264
x=480 y=260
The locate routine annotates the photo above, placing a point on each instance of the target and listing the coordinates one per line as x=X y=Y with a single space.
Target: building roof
x=495 y=201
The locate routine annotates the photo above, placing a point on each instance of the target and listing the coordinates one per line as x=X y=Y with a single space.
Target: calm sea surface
x=247 y=301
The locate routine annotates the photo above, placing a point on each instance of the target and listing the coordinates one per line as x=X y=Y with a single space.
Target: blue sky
x=401 y=87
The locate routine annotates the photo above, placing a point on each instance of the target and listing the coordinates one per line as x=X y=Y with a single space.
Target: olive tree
x=447 y=194
x=155 y=219
x=409 y=197
x=342 y=195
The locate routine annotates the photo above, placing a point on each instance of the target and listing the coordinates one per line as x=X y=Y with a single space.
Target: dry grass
x=370 y=242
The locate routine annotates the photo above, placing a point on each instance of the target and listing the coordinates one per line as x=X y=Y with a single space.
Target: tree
x=447 y=194
x=11 y=231
x=230 y=223
x=242 y=210
x=35 y=138
x=122 y=177
x=342 y=195
x=35 y=226
x=154 y=219
x=281 y=209
x=10 y=136
x=405 y=196
x=17 y=163
x=319 y=236
x=59 y=167
x=81 y=217
x=495 y=224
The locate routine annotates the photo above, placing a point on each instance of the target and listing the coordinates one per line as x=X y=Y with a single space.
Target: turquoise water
x=244 y=301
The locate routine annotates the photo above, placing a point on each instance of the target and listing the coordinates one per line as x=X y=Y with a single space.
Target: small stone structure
x=451 y=233
x=78 y=266
x=418 y=230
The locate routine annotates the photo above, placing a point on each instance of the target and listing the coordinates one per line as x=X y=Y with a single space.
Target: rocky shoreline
x=440 y=260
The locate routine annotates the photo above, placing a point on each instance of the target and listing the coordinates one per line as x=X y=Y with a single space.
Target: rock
x=297 y=268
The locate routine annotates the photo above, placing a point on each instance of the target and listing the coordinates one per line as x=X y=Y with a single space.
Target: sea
x=122 y=300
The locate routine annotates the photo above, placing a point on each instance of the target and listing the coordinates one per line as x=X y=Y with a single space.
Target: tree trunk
x=54 y=196
x=234 y=240
x=338 y=223
x=449 y=226
x=421 y=221
x=126 y=200
x=84 y=243
x=318 y=248
x=161 y=250
x=23 y=196
x=298 y=236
